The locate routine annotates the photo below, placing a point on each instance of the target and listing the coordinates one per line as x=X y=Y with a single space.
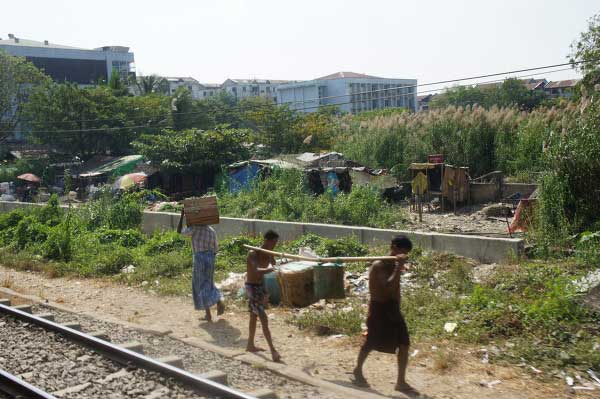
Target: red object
x=435 y=158
x=523 y=216
x=30 y=177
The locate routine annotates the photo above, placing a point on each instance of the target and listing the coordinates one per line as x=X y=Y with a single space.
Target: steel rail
x=122 y=355
x=15 y=386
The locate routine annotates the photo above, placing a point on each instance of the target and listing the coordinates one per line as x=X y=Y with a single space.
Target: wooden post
x=420 y=207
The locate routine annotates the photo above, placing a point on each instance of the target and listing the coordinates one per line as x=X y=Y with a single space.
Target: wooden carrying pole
x=347 y=259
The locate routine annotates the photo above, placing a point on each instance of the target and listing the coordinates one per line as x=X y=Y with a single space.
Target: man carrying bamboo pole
x=387 y=331
x=258 y=264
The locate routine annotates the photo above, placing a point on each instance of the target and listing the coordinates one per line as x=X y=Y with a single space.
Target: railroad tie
x=46 y=316
x=133 y=346
x=103 y=335
x=24 y=308
x=216 y=376
x=73 y=326
x=4 y=301
x=174 y=361
x=263 y=393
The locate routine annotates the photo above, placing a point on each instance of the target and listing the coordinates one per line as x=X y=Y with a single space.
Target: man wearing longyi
x=386 y=328
x=258 y=264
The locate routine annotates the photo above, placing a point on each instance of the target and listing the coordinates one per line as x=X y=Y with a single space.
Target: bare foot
x=276 y=356
x=207 y=318
x=220 y=308
x=359 y=379
x=254 y=349
x=407 y=390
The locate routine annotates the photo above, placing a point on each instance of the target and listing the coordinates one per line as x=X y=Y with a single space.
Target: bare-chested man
x=387 y=331
x=259 y=264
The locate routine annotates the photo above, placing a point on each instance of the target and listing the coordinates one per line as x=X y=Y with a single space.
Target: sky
x=212 y=40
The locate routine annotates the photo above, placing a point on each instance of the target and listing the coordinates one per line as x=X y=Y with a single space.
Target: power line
x=252 y=106
x=103 y=130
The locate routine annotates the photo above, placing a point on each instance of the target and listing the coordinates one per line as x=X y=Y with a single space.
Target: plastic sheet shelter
x=243 y=174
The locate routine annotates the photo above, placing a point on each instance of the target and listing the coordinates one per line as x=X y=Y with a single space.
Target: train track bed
x=67 y=370
x=196 y=360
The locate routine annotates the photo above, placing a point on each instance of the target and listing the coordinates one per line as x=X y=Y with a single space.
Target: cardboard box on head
x=201 y=211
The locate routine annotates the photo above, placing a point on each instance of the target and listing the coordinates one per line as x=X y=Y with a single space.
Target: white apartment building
x=245 y=88
x=351 y=92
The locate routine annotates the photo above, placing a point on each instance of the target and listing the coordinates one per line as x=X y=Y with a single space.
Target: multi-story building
x=210 y=89
x=350 y=92
x=72 y=64
x=191 y=84
x=245 y=88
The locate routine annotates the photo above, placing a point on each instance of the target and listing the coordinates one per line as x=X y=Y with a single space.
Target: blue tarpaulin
x=242 y=177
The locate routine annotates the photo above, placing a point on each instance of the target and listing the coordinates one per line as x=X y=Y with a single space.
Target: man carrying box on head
x=205 y=246
x=259 y=264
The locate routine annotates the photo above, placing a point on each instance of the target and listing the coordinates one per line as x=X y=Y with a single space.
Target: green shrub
x=234 y=246
x=50 y=214
x=30 y=232
x=345 y=246
x=126 y=238
x=58 y=245
x=111 y=260
x=163 y=265
x=164 y=242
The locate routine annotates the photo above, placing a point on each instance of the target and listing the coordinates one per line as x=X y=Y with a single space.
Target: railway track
x=44 y=359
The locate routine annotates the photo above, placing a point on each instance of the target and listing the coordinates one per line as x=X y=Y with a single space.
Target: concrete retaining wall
x=483 y=192
x=484 y=249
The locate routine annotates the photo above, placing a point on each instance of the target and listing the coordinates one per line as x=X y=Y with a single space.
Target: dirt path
x=324 y=357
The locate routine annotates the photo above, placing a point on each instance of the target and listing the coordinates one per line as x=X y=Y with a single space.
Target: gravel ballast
x=52 y=363
x=196 y=360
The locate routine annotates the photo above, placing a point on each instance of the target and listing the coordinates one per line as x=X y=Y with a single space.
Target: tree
x=275 y=126
x=511 y=92
x=17 y=76
x=194 y=151
x=88 y=121
x=151 y=84
x=116 y=84
x=587 y=49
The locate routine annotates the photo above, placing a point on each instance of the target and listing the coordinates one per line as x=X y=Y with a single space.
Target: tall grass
x=484 y=140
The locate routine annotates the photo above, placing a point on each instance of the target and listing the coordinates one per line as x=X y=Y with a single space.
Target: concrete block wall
x=483 y=249
x=525 y=189
x=489 y=192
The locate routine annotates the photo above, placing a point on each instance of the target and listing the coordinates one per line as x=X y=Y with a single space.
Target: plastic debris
x=535 y=370
x=450 y=327
x=489 y=384
x=570 y=381
x=415 y=352
x=128 y=269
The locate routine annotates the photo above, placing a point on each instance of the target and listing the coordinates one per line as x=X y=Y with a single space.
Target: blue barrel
x=272 y=288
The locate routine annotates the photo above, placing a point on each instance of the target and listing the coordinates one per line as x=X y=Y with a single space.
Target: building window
x=244 y=88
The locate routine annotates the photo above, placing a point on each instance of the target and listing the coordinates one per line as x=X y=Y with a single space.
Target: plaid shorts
x=256 y=298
